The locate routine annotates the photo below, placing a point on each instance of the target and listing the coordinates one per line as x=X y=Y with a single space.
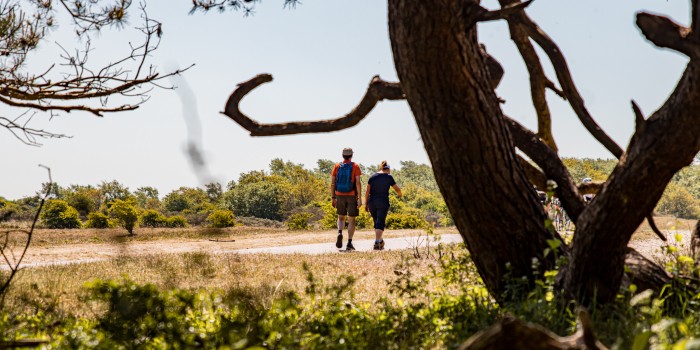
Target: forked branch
x=566 y=81
x=378 y=90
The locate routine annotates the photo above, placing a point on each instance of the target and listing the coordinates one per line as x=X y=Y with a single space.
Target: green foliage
x=299 y=221
x=152 y=218
x=260 y=199
x=596 y=169
x=98 y=220
x=147 y=197
x=58 y=214
x=176 y=221
x=112 y=191
x=677 y=201
x=397 y=221
x=187 y=200
x=85 y=199
x=7 y=209
x=221 y=218
x=125 y=213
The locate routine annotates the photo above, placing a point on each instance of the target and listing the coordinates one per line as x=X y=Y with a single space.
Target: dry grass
x=62 y=287
x=665 y=224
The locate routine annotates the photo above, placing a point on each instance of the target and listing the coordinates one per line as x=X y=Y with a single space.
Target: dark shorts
x=378 y=213
x=347 y=205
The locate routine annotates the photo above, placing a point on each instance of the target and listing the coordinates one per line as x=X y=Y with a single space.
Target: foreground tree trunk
x=462 y=126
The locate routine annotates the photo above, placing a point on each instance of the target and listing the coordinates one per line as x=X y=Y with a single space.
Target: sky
x=322 y=55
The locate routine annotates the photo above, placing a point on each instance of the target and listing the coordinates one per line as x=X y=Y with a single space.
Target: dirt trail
x=83 y=253
x=91 y=252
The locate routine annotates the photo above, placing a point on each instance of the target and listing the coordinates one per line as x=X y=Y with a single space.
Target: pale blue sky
x=322 y=56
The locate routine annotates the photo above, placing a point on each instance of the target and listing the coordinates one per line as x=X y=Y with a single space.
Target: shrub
x=396 y=221
x=98 y=220
x=176 y=221
x=221 y=218
x=677 y=201
x=125 y=213
x=299 y=221
x=152 y=218
x=58 y=214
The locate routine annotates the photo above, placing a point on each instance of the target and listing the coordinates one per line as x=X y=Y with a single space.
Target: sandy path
x=83 y=253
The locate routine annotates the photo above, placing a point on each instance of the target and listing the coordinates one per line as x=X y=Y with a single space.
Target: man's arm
x=333 y=190
x=358 y=186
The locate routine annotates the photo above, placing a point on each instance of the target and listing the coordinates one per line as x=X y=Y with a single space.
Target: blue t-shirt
x=379 y=184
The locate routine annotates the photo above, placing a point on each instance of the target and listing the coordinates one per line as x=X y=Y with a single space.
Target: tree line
x=285 y=194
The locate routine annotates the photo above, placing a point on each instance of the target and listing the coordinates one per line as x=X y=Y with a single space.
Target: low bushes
x=98 y=220
x=58 y=214
x=221 y=218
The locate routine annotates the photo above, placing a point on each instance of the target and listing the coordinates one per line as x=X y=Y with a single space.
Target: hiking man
x=346 y=192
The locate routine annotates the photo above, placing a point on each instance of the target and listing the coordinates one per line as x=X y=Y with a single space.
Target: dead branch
x=511 y=333
x=566 y=81
x=638 y=117
x=644 y=273
x=664 y=32
x=533 y=174
x=378 y=90
x=538 y=79
x=503 y=12
x=14 y=265
x=551 y=164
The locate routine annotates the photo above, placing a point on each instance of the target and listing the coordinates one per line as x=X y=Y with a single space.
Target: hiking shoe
x=349 y=247
x=339 y=242
x=379 y=246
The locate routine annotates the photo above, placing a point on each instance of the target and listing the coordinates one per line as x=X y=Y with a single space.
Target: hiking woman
x=377 y=196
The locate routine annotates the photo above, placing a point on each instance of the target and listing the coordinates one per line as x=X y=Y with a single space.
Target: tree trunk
x=462 y=126
x=662 y=145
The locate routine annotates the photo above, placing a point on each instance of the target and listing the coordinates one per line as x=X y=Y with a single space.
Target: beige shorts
x=347 y=205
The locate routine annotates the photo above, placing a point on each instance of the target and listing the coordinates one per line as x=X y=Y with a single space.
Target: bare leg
x=351 y=226
x=378 y=233
x=341 y=224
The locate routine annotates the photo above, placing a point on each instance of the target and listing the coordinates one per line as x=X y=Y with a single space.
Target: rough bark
x=466 y=138
x=665 y=143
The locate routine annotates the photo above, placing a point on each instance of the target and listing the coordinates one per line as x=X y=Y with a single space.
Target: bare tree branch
x=536 y=177
x=538 y=79
x=504 y=12
x=551 y=164
x=14 y=265
x=564 y=76
x=638 y=116
x=378 y=90
x=664 y=32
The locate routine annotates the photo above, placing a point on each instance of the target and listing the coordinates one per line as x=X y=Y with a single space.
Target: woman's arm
x=367 y=194
x=397 y=189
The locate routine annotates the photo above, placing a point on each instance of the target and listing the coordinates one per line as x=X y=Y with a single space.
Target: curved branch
x=664 y=32
x=503 y=12
x=566 y=81
x=378 y=90
x=551 y=164
x=538 y=79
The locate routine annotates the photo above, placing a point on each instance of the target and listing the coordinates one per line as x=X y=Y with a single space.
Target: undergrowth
x=440 y=309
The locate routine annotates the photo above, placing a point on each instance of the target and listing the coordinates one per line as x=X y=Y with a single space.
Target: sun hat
x=347 y=151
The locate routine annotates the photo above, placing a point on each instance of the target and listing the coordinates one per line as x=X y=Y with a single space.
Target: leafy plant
x=58 y=214
x=152 y=218
x=98 y=220
x=176 y=221
x=299 y=221
x=125 y=214
x=221 y=218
